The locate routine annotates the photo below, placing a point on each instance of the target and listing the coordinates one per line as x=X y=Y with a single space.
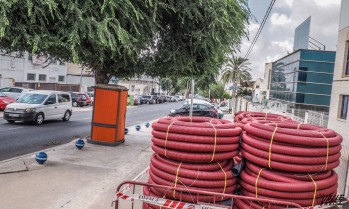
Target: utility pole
x=81 y=79
x=209 y=94
x=192 y=97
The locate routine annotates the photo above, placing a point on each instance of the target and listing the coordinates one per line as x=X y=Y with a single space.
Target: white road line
x=10 y=129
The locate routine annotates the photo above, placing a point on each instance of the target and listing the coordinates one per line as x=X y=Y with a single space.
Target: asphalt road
x=24 y=138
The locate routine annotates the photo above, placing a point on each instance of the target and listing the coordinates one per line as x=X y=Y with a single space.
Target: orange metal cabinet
x=109 y=111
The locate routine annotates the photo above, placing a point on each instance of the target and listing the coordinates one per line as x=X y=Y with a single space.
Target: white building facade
x=32 y=69
x=143 y=86
x=338 y=115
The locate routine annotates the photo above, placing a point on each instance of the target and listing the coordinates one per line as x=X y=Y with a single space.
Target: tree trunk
x=235 y=97
x=100 y=76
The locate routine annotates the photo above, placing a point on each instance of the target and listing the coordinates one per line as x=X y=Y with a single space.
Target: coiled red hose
x=196 y=139
x=243 y=115
x=298 y=188
x=291 y=147
x=216 y=177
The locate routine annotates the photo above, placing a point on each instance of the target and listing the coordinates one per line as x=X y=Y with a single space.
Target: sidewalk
x=72 y=178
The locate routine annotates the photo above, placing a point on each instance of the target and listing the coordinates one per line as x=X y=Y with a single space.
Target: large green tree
x=106 y=36
x=127 y=37
x=195 y=36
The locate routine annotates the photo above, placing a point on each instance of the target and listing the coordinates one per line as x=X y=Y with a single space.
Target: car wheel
x=66 y=116
x=11 y=121
x=39 y=119
x=75 y=104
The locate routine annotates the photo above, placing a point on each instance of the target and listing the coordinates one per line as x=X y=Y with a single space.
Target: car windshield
x=90 y=94
x=184 y=106
x=2 y=95
x=32 y=98
x=147 y=97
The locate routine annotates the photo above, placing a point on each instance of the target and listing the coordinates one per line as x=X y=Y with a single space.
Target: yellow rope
x=256 y=184
x=175 y=183
x=215 y=142
x=168 y=130
x=270 y=145
x=298 y=126
x=327 y=151
x=315 y=189
x=225 y=179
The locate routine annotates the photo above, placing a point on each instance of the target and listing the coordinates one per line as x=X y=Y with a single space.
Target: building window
x=347 y=61
x=61 y=78
x=344 y=107
x=257 y=86
x=42 y=77
x=133 y=88
x=31 y=76
x=302 y=74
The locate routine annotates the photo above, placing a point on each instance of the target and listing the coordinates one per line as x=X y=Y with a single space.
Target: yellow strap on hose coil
x=327 y=151
x=175 y=183
x=163 y=198
x=256 y=184
x=315 y=189
x=225 y=179
x=168 y=130
x=270 y=145
x=215 y=142
x=298 y=126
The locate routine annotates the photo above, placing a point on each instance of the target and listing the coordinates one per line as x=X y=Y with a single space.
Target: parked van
x=39 y=106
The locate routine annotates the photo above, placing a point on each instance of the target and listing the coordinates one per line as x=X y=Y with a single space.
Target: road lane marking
x=10 y=129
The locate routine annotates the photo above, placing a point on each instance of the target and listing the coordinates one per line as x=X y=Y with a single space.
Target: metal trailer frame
x=196 y=193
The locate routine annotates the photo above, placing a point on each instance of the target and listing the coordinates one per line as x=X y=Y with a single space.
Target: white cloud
x=285 y=45
x=289 y=2
x=276 y=39
x=279 y=19
x=325 y=3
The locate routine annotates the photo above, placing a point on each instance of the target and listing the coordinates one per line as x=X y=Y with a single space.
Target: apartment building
x=338 y=116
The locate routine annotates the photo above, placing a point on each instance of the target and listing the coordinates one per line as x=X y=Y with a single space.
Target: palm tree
x=236 y=71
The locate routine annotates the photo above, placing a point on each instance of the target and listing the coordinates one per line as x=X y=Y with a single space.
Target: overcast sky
x=276 y=38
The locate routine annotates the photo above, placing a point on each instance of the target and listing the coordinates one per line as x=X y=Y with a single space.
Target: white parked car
x=15 y=92
x=223 y=106
x=39 y=106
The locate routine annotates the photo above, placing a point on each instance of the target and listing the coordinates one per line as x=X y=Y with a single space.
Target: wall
x=86 y=80
x=18 y=68
x=6 y=82
x=340 y=87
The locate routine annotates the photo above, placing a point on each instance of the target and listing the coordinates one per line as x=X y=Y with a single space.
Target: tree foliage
x=127 y=37
x=196 y=35
x=236 y=71
x=216 y=91
x=244 y=92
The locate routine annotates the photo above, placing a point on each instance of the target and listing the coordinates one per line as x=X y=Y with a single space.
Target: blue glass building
x=303 y=80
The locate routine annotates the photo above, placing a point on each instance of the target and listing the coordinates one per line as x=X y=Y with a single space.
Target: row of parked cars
x=156 y=99
x=20 y=104
x=11 y=94
x=201 y=108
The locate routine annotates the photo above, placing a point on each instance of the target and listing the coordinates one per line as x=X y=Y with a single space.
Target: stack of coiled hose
x=194 y=153
x=289 y=162
x=242 y=118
